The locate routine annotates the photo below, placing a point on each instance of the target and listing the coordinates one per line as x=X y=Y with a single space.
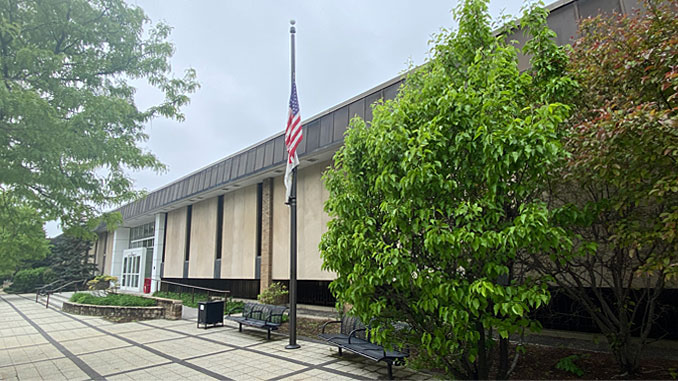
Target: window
x=164 y=239
x=189 y=212
x=142 y=236
x=220 y=224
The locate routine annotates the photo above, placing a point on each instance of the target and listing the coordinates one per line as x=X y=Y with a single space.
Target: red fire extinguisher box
x=147 y=285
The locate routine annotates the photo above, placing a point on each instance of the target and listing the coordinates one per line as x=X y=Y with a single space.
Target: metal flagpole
x=293 y=233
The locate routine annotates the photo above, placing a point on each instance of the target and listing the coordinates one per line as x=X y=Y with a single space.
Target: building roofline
x=266 y=157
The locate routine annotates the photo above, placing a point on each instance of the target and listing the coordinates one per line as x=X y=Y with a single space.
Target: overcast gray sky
x=240 y=50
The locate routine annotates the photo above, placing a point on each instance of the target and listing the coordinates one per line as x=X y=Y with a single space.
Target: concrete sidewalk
x=40 y=343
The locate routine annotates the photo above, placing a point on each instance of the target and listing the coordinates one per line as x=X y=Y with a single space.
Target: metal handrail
x=43 y=290
x=193 y=288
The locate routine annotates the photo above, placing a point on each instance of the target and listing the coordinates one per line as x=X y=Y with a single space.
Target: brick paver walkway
x=40 y=343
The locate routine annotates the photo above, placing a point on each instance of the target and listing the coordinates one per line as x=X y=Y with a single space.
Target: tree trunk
x=503 y=359
x=482 y=368
x=624 y=352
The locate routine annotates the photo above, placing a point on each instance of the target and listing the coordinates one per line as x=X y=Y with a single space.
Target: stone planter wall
x=133 y=313
x=172 y=308
x=166 y=309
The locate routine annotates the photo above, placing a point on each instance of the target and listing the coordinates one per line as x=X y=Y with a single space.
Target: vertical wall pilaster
x=266 y=235
x=158 y=244
x=120 y=244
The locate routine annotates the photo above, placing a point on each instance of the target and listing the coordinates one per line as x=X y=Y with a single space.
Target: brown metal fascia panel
x=235 y=164
x=328 y=126
x=268 y=153
x=563 y=21
x=312 y=136
x=279 y=149
x=187 y=186
x=326 y=129
x=369 y=102
x=206 y=177
x=176 y=194
x=392 y=91
x=340 y=118
x=301 y=148
x=251 y=160
x=227 y=171
x=259 y=157
x=319 y=134
x=214 y=175
x=242 y=164
x=356 y=108
x=591 y=8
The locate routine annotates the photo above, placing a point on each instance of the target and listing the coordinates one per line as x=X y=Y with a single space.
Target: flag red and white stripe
x=293 y=136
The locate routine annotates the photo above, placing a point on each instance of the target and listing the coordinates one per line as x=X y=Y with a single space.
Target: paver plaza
x=40 y=343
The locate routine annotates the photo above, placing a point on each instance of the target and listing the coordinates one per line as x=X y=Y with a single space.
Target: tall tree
x=22 y=238
x=433 y=202
x=69 y=125
x=70 y=260
x=618 y=192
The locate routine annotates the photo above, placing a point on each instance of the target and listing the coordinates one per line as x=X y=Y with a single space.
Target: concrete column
x=266 y=235
x=158 y=245
x=120 y=244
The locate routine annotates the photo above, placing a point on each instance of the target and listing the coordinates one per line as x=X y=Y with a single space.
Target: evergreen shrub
x=29 y=279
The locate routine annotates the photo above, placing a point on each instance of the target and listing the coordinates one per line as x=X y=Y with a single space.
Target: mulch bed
x=539 y=361
x=310 y=328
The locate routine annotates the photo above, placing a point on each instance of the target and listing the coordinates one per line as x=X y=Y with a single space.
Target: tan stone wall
x=131 y=313
x=266 y=275
x=175 y=244
x=203 y=239
x=167 y=308
x=240 y=234
x=311 y=224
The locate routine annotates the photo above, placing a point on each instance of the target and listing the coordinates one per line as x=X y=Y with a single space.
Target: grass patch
x=188 y=300
x=112 y=300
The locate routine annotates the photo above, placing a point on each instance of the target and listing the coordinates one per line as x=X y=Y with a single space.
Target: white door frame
x=128 y=275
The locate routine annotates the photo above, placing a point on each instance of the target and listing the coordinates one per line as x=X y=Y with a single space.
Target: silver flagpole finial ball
x=292 y=22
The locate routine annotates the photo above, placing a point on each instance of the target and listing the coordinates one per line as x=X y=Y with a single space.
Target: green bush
x=276 y=293
x=233 y=306
x=569 y=364
x=101 y=282
x=30 y=279
x=112 y=300
x=188 y=300
x=5 y=275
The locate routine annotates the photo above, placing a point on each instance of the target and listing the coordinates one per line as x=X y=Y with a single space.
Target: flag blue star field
x=293 y=136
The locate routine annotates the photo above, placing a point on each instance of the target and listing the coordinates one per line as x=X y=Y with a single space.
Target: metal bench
x=354 y=337
x=262 y=316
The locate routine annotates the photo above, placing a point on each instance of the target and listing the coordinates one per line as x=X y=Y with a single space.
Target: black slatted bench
x=354 y=337
x=262 y=316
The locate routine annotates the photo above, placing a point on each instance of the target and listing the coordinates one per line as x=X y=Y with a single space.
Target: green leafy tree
x=22 y=237
x=618 y=191
x=69 y=125
x=433 y=202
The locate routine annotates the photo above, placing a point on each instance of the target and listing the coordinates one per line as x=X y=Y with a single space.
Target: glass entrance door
x=132 y=263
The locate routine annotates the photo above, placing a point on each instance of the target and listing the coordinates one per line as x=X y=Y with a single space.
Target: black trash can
x=211 y=313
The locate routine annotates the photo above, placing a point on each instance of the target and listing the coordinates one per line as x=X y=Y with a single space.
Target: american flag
x=293 y=136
